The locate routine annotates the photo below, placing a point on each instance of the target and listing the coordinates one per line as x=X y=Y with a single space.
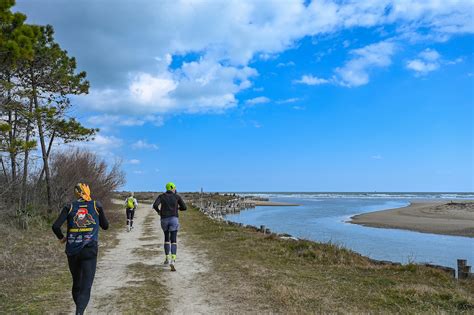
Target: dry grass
x=146 y=294
x=34 y=275
x=147 y=238
x=34 y=269
x=287 y=276
x=146 y=253
x=117 y=218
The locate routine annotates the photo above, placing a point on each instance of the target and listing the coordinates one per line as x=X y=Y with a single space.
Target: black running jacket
x=170 y=204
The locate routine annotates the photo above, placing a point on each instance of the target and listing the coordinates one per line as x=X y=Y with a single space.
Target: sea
x=323 y=217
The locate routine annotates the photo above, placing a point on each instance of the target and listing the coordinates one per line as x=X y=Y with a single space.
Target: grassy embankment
x=34 y=275
x=287 y=276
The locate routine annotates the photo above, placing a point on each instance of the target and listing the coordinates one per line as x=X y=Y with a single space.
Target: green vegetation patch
x=288 y=276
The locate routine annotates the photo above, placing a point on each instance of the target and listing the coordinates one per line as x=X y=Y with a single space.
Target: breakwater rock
x=217 y=205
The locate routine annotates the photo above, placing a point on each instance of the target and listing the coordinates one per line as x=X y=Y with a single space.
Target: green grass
x=34 y=275
x=287 y=276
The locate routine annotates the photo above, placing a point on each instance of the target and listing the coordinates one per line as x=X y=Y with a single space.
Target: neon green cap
x=170 y=186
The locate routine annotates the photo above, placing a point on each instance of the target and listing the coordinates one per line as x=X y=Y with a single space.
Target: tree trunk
x=4 y=169
x=11 y=140
x=42 y=142
x=50 y=145
x=11 y=134
x=25 y=161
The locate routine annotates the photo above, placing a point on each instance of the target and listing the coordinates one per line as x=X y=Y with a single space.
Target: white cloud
x=356 y=71
x=455 y=61
x=266 y=56
x=299 y=108
x=257 y=100
x=227 y=35
x=103 y=145
x=428 y=61
x=376 y=157
x=430 y=55
x=146 y=89
x=106 y=141
x=421 y=67
x=308 y=79
x=286 y=64
x=198 y=86
x=443 y=17
x=134 y=161
x=138 y=172
x=107 y=122
x=143 y=144
x=289 y=100
x=156 y=121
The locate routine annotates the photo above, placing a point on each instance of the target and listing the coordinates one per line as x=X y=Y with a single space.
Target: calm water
x=324 y=219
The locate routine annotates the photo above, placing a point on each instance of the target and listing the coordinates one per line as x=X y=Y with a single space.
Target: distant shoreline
x=437 y=217
x=264 y=203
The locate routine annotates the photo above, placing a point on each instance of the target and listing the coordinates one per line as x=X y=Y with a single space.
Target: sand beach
x=439 y=217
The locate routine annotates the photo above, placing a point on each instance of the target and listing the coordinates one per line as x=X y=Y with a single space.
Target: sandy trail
x=188 y=296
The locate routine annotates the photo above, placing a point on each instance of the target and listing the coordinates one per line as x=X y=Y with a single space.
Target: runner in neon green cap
x=167 y=206
x=170 y=186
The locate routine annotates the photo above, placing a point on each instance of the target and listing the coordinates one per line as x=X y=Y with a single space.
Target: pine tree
x=16 y=44
x=36 y=79
x=51 y=78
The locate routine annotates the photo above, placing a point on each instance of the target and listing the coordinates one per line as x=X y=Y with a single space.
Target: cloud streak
x=308 y=79
x=143 y=144
x=289 y=100
x=257 y=100
x=356 y=71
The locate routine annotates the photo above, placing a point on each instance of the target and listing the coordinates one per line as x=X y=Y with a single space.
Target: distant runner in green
x=131 y=204
x=167 y=206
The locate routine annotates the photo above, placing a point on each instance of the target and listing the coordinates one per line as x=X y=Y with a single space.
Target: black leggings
x=130 y=214
x=170 y=242
x=82 y=267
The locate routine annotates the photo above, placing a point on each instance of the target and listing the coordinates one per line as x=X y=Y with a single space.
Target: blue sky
x=276 y=96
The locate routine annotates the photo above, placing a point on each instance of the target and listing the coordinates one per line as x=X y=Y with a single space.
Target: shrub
x=72 y=167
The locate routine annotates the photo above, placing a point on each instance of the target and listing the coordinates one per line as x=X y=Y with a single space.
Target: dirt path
x=184 y=285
